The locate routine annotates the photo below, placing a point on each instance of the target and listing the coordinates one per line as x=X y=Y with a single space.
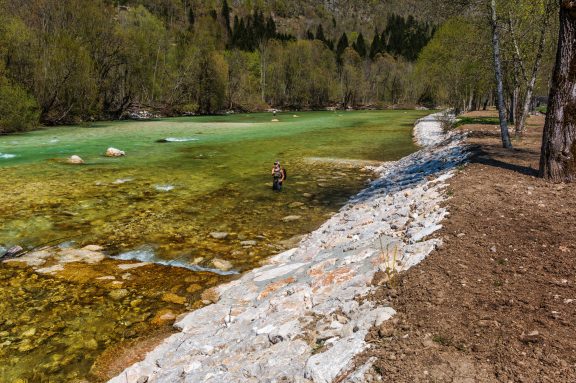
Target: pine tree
x=341 y=47
x=342 y=44
x=270 y=28
x=242 y=38
x=234 y=34
x=384 y=38
x=191 y=18
x=330 y=44
x=360 y=46
x=320 y=33
x=226 y=16
x=376 y=46
x=259 y=27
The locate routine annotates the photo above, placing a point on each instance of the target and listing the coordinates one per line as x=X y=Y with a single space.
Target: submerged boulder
x=291 y=218
x=219 y=235
x=76 y=160
x=222 y=264
x=113 y=152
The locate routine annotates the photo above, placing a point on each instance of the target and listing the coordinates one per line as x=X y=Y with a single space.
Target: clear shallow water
x=212 y=175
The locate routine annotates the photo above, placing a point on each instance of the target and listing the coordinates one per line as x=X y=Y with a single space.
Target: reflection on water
x=200 y=210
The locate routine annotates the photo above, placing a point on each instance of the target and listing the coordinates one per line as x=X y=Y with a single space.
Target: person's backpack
x=285 y=174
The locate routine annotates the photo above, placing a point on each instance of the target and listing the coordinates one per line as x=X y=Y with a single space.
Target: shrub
x=18 y=110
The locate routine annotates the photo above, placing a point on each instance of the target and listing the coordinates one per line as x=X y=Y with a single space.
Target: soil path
x=497 y=302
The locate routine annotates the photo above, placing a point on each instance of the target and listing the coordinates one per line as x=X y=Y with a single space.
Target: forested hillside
x=66 y=61
x=72 y=60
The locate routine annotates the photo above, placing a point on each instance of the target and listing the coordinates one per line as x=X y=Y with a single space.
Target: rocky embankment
x=302 y=317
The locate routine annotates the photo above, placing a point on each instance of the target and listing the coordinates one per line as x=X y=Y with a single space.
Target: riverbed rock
x=118 y=294
x=29 y=333
x=219 y=235
x=130 y=266
x=80 y=255
x=291 y=242
x=113 y=152
x=222 y=264
x=210 y=296
x=75 y=160
x=174 y=298
x=164 y=316
x=93 y=248
x=291 y=218
x=91 y=344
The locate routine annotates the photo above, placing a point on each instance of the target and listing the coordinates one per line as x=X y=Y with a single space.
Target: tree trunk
x=500 y=87
x=512 y=107
x=558 y=156
x=523 y=115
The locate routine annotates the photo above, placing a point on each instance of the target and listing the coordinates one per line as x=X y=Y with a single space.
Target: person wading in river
x=278 y=175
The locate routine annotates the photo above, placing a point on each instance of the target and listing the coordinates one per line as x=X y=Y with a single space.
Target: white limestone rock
x=75 y=160
x=113 y=152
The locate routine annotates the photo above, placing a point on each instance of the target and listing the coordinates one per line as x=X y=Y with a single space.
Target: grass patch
x=476 y=121
x=442 y=340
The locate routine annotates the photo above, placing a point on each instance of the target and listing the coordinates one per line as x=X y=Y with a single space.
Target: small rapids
x=179 y=139
x=147 y=254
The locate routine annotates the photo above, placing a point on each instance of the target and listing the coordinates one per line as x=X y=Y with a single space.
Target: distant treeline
x=66 y=61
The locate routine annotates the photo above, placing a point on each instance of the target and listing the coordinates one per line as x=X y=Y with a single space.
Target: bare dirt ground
x=497 y=302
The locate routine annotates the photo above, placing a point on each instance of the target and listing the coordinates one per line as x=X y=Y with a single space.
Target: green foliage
x=18 y=111
x=301 y=74
x=456 y=64
x=80 y=60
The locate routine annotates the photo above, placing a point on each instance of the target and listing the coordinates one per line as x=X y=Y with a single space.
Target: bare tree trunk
x=558 y=156
x=521 y=118
x=500 y=87
x=512 y=107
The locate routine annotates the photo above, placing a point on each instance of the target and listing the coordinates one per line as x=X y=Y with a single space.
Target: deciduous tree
x=558 y=157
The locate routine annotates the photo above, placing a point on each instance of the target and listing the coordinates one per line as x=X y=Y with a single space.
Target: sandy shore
x=303 y=316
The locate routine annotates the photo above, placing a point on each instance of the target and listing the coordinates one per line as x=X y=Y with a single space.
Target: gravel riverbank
x=302 y=317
